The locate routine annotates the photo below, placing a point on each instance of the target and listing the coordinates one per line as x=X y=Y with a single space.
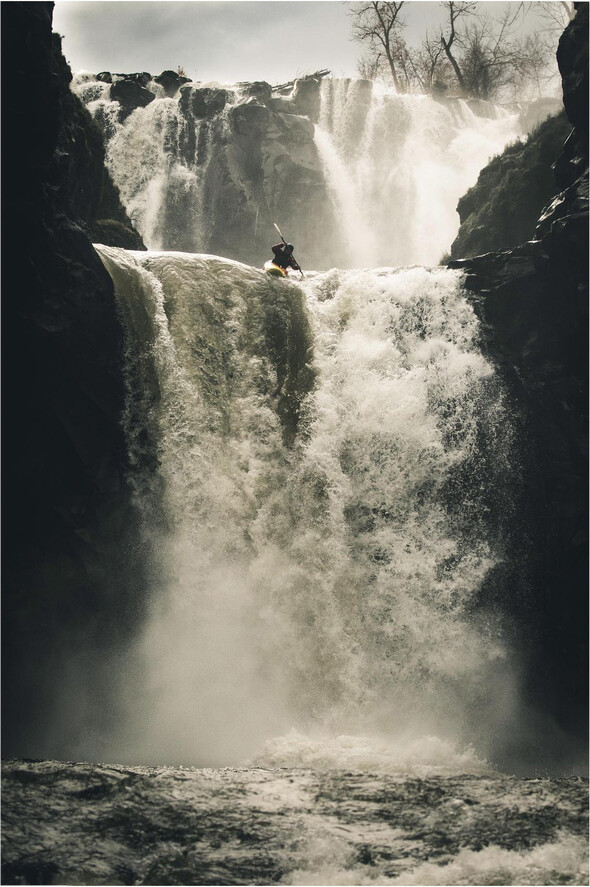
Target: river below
x=77 y=823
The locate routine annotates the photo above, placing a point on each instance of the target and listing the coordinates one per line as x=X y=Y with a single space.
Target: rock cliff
x=236 y=160
x=533 y=303
x=503 y=207
x=66 y=504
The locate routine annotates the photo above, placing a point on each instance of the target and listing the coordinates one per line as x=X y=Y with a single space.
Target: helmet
x=290 y=246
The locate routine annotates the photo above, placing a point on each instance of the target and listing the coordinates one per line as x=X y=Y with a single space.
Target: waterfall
x=375 y=182
x=333 y=463
x=397 y=165
x=159 y=161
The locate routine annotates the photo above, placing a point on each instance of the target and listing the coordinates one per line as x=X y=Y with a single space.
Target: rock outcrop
x=533 y=304
x=67 y=509
x=503 y=207
x=249 y=152
x=131 y=95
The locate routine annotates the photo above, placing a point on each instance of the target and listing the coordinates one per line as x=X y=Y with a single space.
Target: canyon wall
x=533 y=304
x=70 y=566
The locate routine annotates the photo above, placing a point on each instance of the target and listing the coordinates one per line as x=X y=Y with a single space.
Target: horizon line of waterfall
x=328 y=476
x=364 y=178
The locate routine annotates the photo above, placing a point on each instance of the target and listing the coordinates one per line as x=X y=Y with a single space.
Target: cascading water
x=159 y=166
x=322 y=508
x=324 y=472
x=397 y=165
x=374 y=183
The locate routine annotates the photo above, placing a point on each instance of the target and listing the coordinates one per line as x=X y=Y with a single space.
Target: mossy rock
x=503 y=207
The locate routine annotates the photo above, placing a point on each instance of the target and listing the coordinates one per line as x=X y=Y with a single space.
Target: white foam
x=423 y=756
x=564 y=861
x=323 y=587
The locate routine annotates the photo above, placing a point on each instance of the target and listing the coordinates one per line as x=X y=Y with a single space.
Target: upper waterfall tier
x=355 y=176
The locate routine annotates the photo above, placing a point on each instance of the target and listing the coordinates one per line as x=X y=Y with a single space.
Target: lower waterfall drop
x=327 y=455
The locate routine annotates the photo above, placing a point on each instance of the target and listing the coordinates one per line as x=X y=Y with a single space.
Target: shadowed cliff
x=503 y=207
x=66 y=506
x=533 y=304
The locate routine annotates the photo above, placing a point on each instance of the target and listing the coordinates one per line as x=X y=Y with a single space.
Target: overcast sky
x=228 y=40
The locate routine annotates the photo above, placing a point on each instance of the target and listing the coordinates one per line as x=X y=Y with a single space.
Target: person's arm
x=278 y=249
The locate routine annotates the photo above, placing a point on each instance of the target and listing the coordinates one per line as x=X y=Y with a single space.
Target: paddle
x=287 y=245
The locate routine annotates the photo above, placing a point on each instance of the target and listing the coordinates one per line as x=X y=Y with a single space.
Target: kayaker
x=283 y=256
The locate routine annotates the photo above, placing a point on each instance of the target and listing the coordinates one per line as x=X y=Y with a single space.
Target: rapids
x=326 y=468
x=134 y=825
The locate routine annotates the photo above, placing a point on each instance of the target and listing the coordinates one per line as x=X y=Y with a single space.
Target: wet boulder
x=259 y=89
x=216 y=100
x=141 y=77
x=306 y=97
x=171 y=82
x=192 y=102
x=199 y=102
x=130 y=95
x=249 y=118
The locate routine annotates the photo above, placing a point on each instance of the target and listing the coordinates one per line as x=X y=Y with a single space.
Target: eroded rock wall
x=503 y=207
x=70 y=572
x=533 y=304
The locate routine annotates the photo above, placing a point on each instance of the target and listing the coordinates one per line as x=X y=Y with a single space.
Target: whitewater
x=323 y=688
x=394 y=168
x=323 y=486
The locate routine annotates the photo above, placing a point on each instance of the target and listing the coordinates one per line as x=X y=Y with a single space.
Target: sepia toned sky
x=227 y=40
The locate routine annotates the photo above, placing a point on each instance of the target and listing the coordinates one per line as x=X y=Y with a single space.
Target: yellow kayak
x=274 y=270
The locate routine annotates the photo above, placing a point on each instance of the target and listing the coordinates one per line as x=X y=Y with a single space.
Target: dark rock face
x=502 y=209
x=131 y=95
x=170 y=81
x=202 y=102
x=93 y=199
x=67 y=509
x=253 y=169
x=533 y=303
x=260 y=89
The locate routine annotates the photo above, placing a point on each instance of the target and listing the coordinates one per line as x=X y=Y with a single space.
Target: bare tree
x=489 y=58
x=456 y=11
x=434 y=71
x=370 y=67
x=474 y=53
x=379 y=24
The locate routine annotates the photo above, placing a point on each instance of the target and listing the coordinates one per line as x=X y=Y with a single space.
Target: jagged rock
x=200 y=102
x=113 y=233
x=306 y=97
x=572 y=58
x=192 y=102
x=249 y=119
x=502 y=208
x=260 y=89
x=216 y=100
x=171 y=81
x=105 y=77
x=130 y=95
x=141 y=77
x=68 y=544
x=533 y=305
x=563 y=226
